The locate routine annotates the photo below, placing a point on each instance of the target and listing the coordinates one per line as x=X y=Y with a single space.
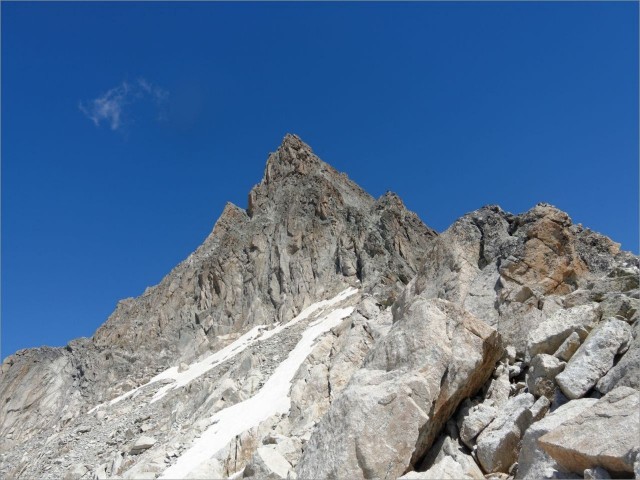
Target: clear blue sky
x=126 y=127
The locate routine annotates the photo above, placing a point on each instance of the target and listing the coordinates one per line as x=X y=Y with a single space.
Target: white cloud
x=110 y=107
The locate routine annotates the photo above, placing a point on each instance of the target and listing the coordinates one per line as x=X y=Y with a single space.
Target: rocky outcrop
x=533 y=462
x=605 y=435
x=267 y=463
x=433 y=357
x=475 y=421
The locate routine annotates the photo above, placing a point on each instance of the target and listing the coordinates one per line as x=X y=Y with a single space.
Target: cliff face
x=378 y=346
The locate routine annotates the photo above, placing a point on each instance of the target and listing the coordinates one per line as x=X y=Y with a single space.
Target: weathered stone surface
x=448 y=448
x=388 y=398
x=445 y=469
x=605 y=435
x=551 y=333
x=533 y=462
x=499 y=389
x=478 y=418
x=75 y=472
x=626 y=373
x=267 y=463
x=542 y=374
x=498 y=443
x=540 y=408
x=143 y=443
x=594 y=358
x=568 y=347
x=596 y=473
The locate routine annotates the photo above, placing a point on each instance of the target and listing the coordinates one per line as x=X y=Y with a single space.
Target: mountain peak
x=293 y=156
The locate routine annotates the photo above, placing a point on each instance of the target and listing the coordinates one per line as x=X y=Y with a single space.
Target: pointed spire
x=292 y=156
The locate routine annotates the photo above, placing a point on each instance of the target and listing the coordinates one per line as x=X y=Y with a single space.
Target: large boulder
x=475 y=422
x=549 y=335
x=390 y=413
x=568 y=347
x=447 y=451
x=605 y=435
x=533 y=462
x=594 y=358
x=498 y=443
x=626 y=373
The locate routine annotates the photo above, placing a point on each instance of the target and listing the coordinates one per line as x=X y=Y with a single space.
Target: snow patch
x=272 y=399
x=197 y=369
x=258 y=333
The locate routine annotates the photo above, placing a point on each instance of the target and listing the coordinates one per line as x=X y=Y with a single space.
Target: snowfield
x=272 y=399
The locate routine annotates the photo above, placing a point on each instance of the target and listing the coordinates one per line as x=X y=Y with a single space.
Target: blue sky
x=127 y=126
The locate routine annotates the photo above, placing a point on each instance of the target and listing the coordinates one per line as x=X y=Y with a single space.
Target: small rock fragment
x=596 y=473
x=143 y=443
x=541 y=375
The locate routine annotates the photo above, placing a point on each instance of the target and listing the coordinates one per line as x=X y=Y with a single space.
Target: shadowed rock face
x=490 y=322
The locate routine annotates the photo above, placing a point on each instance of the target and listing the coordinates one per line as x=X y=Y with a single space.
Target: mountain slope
x=324 y=333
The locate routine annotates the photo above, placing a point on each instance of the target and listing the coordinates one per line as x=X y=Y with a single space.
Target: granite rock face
x=323 y=333
x=594 y=358
x=605 y=435
x=434 y=356
x=533 y=462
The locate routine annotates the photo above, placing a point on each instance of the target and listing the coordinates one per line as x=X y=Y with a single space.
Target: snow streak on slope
x=258 y=333
x=197 y=369
x=272 y=399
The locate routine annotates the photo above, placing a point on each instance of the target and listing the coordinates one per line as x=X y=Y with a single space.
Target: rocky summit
x=321 y=333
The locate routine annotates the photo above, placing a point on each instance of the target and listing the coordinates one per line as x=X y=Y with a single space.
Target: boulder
x=542 y=374
x=498 y=443
x=100 y=472
x=447 y=451
x=626 y=373
x=594 y=358
x=568 y=347
x=75 y=471
x=533 y=462
x=500 y=387
x=549 y=335
x=289 y=448
x=141 y=444
x=388 y=416
x=540 y=408
x=605 y=435
x=596 y=473
x=475 y=421
x=268 y=464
